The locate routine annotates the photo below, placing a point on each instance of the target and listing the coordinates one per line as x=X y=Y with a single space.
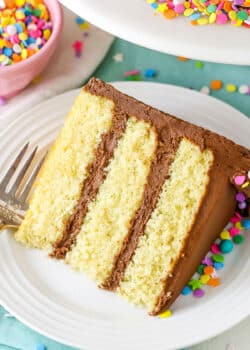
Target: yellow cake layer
x=109 y=215
x=165 y=232
x=59 y=183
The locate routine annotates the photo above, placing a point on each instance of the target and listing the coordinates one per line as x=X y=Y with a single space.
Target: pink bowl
x=15 y=77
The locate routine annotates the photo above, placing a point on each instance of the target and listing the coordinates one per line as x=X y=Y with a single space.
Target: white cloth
x=65 y=71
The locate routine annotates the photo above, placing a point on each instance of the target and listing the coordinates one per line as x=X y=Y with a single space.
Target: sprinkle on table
x=218 y=258
x=215 y=249
x=78 y=47
x=231 y=87
x=194 y=284
x=199 y=64
x=207 y=261
x=226 y=246
x=205 y=90
x=183 y=59
x=118 y=57
x=243 y=89
x=82 y=23
x=208 y=270
x=166 y=314
x=132 y=75
x=204 y=279
x=214 y=282
x=131 y=72
x=216 y=84
x=246 y=224
x=225 y=235
x=150 y=73
x=218 y=266
x=40 y=347
x=198 y=293
x=238 y=239
x=186 y=290
x=135 y=77
x=234 y=231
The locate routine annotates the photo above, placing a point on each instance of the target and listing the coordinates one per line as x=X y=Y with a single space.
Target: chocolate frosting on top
x=228 y=154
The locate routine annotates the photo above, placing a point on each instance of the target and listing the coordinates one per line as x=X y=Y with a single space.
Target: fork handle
x=2 y=225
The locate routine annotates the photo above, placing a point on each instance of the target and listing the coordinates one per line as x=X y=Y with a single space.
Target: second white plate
x=52 y=299
x=134 y=20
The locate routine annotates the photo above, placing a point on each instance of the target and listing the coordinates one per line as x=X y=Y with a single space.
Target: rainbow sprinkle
x=232 y=235
x=25 y=27
x=201 y=12
x=214 y=261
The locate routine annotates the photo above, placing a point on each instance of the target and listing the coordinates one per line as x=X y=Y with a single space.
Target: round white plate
x=64 y=305
x=134 y=20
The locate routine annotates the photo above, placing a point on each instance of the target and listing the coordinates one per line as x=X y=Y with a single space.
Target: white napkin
x=65 y=71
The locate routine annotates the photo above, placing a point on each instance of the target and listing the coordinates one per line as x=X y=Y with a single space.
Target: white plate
x=49 y=297
x=134 y=20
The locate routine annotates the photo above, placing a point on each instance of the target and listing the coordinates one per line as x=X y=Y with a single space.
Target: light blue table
x=13 y=334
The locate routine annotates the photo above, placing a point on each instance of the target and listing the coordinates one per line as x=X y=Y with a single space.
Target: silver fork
x=13 y=202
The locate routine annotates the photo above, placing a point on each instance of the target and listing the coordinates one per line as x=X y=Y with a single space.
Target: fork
x=13 y=202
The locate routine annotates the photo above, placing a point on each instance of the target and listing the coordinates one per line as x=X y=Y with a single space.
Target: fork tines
x=10 y=196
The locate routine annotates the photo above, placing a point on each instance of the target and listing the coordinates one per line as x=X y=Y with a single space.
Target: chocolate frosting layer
x=92 y=183
x=158 y=174
x=218 y=203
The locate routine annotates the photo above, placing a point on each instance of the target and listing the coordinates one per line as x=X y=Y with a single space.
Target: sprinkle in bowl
x=15 y=77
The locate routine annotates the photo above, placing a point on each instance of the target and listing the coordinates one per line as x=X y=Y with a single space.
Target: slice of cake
x=132 y=196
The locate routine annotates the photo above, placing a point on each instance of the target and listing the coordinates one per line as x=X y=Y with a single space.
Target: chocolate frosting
x=158 y=174
x=217 y=205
